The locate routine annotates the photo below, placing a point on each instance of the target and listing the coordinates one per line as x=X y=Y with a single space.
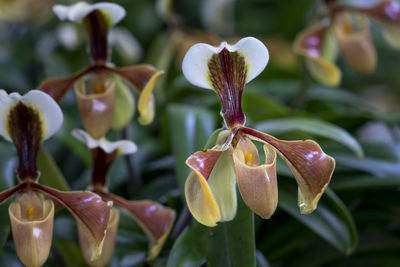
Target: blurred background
x=357 y=222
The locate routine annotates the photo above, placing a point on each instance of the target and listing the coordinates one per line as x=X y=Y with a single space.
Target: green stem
x=300 y=99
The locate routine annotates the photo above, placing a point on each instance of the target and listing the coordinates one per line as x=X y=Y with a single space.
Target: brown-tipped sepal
x=95 y=94
x=311 y=167
x=318 y=47
x=86 y=243
x=354 y=38
x=88 y=209
x=257 y=183
x=31 y=219
x=155 y=219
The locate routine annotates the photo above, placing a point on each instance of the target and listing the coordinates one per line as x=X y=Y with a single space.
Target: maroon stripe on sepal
x=228 y=75
x=97 y=28
x=26 y=130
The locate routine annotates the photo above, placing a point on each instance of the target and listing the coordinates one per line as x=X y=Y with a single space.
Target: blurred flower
x=27 y=121
x=211 y=188
x=347 y=27
x=155 y=219
x=97 y=85
x=24 y=10
x=217 y=15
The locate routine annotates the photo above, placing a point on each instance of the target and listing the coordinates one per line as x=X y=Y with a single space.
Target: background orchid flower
x=97 y=87
x=348 y=27
x=211 y=188
x=155 y=219
x=27 y=121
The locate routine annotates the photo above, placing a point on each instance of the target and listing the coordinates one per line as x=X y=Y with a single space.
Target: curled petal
x=57 y=87
x=122 y=146
x=31 y=219
x=310 y=43
x=155 y=220
x=257 y=183
x=324 y=71
x=146 y=100
x=311 y=167
x=89 y=210
x=210 y=189
x=392 y=35
x=6 y=194
x=138 y=75
x=355 y=42
x=95 y=94
x=109 y=242
x=113 y=13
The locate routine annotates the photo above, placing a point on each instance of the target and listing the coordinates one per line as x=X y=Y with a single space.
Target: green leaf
x=232 y=243
x=317 y=127
x=70 y=252
x=50 y=174
x=190 y=128
x=331 y=220
x=374 y=166
x=7 y=170
x=190 y=248
x=362 y=182
x=253 y=103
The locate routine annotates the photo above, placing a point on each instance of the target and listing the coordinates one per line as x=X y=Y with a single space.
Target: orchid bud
x=31 y=219
x=108 y=245
x=95 y=93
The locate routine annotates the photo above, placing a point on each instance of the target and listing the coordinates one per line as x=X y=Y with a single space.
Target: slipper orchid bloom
x=211 y=187
x=155 y=219
x=348 y=27
x=98 y=87
x=27 y=121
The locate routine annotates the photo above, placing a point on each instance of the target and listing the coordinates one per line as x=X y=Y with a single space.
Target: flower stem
x=135 y=181
x=299 y=100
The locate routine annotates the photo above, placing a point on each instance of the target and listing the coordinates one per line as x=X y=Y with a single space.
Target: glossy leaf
x=374 y=166
x=365 y=182
x=190 y=248
x=232 y=243
x=189 y=130
x=332 y=220
x=313 y=126
x=70 y=252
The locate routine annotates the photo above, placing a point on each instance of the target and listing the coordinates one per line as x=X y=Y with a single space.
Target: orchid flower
x=347 y=27
x=27 y=121
x=98 y=86
x=155 y=219
x=210 y=189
